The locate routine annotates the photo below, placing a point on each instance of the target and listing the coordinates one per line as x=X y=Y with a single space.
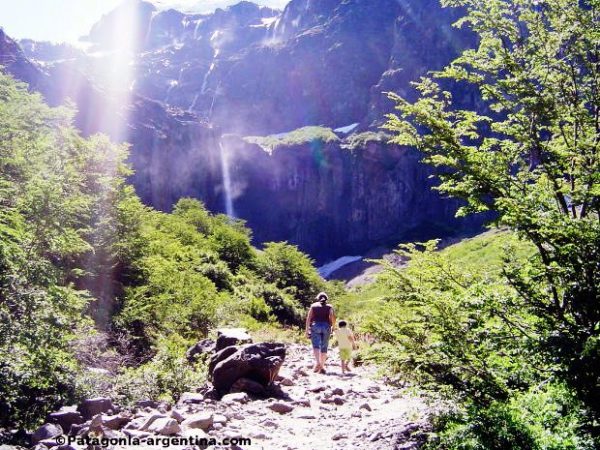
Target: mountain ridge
x=249 y=70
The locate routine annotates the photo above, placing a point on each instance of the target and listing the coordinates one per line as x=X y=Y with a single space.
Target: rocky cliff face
x=337 y=197
x=250 y=70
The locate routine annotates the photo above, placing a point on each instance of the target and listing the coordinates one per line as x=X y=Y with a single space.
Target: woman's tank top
x=321 y=312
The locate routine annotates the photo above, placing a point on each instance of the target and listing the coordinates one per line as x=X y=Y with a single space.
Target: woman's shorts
x=319 y=336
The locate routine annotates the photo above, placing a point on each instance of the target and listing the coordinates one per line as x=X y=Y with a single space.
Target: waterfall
x=210 y=69
x=226 y=175
x=191 y=108
x=198 y=23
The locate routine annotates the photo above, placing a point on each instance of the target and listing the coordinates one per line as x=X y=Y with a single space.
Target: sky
x=67 y=20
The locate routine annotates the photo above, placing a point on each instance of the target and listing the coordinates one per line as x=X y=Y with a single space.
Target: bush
x=291 y=270
x=548 y=417
x=165 y=377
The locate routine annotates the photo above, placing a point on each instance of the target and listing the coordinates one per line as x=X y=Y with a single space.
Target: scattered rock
x=147 y=404
x=191 y=397
x=177 y=416
x=338 y=436
x=219 y=418
x=150 y=420
x=94 y=406
x=286 y=382
x=165 y=425
x=338 y=401
x=365 y=406
x=66 y=417
x=226 y=337
x=46 y=431
x=302 y=402
x=96 y=424
x=337 y=391
x=203 y=420
x=117 y=421
x=281 y=407
x=239 y=397
x=316 y=388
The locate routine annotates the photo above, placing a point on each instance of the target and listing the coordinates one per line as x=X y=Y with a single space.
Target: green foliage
x=546 y=417
x=165 y=377
x=358 y=141
x=300 y=136
x=231 y=241
x=291 y=270
x=54 y=187
x=533 y=158
x=78 y=249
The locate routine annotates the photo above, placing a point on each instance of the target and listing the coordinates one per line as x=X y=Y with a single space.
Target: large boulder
x=256 y=362
x=226 y=337
x=203 y=347
x=45 y=432
x=65 y=417
x=94 y=406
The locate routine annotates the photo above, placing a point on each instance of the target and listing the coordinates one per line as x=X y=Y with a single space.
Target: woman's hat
x=322 y=297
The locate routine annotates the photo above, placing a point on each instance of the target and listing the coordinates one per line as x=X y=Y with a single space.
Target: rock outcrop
x=227 y=337
x=259 y=363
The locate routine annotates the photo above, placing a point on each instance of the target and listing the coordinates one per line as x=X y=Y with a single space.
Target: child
x=346 y=343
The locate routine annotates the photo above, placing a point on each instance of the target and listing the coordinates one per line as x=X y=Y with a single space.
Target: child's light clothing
x=344 y=343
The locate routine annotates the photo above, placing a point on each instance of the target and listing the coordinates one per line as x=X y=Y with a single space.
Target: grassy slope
x=484 y=252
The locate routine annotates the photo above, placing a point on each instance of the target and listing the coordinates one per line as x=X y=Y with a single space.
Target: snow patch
x=327 y=269
x=347 y=129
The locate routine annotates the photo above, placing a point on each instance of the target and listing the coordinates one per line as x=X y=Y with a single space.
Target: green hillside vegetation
x=357 y=141
x=451 y=323
x=89 y=276
x=518 y=350
x=484 y=253
x=304 y=135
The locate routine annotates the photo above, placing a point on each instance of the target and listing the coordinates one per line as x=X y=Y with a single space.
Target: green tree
x=288 y=268
x=533 y=157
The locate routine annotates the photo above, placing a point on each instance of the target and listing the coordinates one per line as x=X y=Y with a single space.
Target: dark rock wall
x=332 y=201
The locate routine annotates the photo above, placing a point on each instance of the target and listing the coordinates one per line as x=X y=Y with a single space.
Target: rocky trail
x=304 y=410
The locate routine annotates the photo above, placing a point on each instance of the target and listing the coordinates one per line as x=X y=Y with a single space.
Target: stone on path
x=240 y=397
x=203 y=420
x=165 y=425
x=281 y=407
x=191 y=397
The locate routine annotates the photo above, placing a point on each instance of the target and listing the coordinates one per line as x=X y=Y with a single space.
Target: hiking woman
x=319 y=324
